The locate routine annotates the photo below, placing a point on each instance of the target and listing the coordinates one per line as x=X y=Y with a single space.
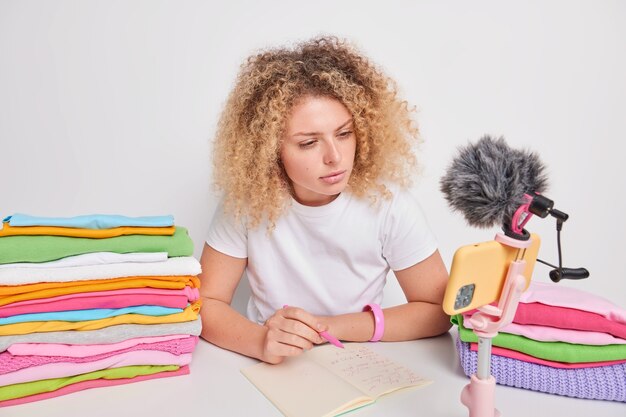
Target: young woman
x=313 y=153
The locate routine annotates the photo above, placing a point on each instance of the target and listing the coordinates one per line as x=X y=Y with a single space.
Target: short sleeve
x=227 y=235
x=407 y=238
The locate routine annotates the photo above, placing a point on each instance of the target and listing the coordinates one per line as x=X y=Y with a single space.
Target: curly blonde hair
x=247 y=166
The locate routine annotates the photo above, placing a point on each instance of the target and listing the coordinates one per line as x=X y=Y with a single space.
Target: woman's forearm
x=410 y=321
x=225 y=327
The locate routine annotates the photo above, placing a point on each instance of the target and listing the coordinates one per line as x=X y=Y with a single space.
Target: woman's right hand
x=290 y=332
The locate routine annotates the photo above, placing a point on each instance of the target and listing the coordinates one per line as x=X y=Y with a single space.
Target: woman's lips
x=334 y=178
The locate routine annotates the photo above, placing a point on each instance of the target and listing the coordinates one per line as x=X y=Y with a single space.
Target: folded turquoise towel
x=91 y=221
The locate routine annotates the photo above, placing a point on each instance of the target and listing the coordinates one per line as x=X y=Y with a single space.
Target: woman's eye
x=307 y=144
x=345 y=134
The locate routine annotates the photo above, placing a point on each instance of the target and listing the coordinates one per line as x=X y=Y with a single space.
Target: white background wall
x=110 y=106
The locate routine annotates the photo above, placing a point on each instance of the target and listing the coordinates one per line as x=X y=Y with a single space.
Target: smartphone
x=478 y=273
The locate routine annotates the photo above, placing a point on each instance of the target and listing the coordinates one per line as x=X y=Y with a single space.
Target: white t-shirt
x=328 y=260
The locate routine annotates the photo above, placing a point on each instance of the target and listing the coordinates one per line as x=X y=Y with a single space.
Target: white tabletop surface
x=215 y=387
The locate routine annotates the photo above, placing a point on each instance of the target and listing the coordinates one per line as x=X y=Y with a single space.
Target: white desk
x=215 y=387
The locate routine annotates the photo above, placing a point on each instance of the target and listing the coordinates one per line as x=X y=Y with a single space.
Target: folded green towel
x=554 y=351
x=49 y=248
x=9 y=392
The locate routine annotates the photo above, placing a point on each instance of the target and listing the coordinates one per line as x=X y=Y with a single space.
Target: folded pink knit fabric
x=80 y=351
x=558 y=295
x=10 y=363
x=514 y=354
x=104 y=299
x=96 y=383
x=554 y=334
x=65 y=369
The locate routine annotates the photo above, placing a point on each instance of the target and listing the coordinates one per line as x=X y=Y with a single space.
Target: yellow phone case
x=484 y=265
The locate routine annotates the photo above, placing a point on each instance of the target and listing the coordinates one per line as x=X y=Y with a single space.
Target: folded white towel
x=95 y=258
x=183 y=265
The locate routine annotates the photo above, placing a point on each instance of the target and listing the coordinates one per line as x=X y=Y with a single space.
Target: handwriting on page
x=370 y=372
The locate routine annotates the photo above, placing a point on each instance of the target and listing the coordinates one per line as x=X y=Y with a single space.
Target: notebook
x=328 y=381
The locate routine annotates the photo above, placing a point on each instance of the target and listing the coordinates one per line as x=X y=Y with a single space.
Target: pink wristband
x=379 y=321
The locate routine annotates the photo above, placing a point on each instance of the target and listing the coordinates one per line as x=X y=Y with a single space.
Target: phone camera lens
x=464 y=296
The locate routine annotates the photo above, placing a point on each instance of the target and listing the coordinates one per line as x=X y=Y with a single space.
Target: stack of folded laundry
x=93 y=301
x=561 y=341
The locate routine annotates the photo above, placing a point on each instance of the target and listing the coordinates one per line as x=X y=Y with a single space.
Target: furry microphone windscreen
x=487 y=181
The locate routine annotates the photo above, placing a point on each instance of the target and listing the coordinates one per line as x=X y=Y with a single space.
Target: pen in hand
x=329 y=337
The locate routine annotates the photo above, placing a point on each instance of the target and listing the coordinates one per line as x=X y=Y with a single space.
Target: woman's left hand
x=290 y=332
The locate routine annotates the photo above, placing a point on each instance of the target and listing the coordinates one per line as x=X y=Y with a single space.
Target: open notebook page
x=301 y=388
x=367 y=370
x=327 y=381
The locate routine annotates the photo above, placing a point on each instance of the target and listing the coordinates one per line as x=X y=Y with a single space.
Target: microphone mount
x=542 y=206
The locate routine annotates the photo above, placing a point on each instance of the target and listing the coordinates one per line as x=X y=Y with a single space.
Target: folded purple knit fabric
x=599 y=383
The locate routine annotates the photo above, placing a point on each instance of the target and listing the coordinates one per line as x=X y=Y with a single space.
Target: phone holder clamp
x=478 y=395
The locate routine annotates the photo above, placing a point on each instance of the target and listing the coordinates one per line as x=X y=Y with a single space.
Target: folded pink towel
x=567 y=318
x=555 y=305
x=80 y=351
x=65 y=369
x=558 y=295
x=104 y=299
x=10 y=363
x=555 y=334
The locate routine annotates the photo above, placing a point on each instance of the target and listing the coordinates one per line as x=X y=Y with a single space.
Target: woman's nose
x=332 y=154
